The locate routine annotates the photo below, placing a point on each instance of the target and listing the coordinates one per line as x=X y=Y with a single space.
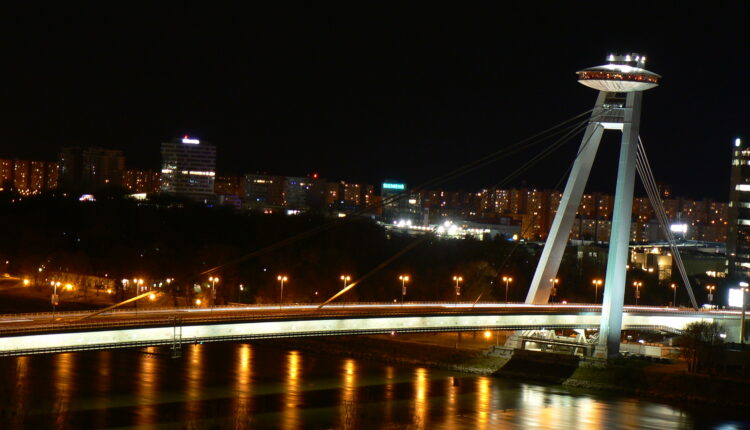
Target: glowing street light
x=674 y=294
x=637 y=285
x=507 y=280
x=553 y=290
x=55 y=298
x=26 y=282
x=198 y=302
x=345 y=278
x=597 y=283
x=152 y=297
x=214 y=280
x=404 y=279
x=458 y=280
x=710 y=289
x=281 y=279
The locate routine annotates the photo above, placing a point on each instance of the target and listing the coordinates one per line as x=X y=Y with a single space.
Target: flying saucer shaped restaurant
x=623 y=74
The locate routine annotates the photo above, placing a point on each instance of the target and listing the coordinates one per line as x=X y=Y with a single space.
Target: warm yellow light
x=487 y=334
x=198 y=302
x=282 y=278
x=69 y=287
x=152 y=296
x=345 y=277
x=26 y=282
x=404 y=278
x=109 y=291
x=458 y=278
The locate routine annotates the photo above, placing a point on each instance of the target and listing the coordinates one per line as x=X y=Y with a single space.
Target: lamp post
x=404 y=279
x=213 y=280
x=637 y=285
x=281 y=279
x=55 y=298
x=711 y=288
x=345 y=278
x=597 y=283
x=553 y=291
x=674 y=294
x=458 y=280
x=507 y=280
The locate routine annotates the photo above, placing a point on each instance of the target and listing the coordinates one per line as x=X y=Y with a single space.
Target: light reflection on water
x=248 y=386
x=243 y=382
x=292 y=397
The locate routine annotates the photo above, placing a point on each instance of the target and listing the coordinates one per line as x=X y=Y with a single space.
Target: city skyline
x=357 y=101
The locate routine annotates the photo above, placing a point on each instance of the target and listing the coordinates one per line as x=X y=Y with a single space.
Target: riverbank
x=664 y=382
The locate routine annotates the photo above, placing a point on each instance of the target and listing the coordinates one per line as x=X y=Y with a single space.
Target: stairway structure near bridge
x=621 y=83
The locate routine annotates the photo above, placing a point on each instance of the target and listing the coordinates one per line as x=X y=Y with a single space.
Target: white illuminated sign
x=678 y=228
x=735 y=297
x=190 y=141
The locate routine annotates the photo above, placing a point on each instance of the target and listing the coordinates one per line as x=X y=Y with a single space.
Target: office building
x=738 y=237
x=188 y=169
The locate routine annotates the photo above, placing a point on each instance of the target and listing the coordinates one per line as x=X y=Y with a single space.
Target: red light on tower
x=315 y=176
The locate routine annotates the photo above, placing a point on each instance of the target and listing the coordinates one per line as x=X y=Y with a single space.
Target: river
x=244 y=386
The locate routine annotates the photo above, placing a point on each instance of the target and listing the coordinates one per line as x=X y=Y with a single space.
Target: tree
x=701 y=345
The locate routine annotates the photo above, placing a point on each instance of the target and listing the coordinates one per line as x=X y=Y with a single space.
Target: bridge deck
x=37 y=333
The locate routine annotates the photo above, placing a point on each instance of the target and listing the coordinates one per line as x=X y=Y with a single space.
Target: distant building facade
x=90 y=169
x=738 y=240
x=188 y=169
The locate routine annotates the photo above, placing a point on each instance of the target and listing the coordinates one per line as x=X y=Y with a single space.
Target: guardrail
x=271 y=306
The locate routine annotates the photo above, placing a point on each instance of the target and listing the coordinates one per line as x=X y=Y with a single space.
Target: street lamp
x=345 y=278
x=281 y=279
x=597 y=283
x=404 y=279
x=507 y=280
x=711 y=289
x=213 y=280
x=553 y=290
x=55 y=297
x=637 y=285
x=674 y=294
x=458 y=280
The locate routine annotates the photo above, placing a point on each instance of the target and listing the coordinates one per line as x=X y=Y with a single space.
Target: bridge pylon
x=621 y=83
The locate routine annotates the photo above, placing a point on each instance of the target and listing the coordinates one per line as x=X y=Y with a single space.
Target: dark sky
x=372 y=92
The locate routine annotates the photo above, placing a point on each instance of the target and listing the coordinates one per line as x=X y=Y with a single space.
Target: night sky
x=362 y=94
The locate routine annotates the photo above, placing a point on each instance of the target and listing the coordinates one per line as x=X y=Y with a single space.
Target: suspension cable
x=647 y=177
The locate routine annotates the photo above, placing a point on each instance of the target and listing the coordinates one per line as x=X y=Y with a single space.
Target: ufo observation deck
x=623 y=74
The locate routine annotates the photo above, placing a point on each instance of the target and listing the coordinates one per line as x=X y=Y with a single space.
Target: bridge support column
x=559 y=233
x=617 y=260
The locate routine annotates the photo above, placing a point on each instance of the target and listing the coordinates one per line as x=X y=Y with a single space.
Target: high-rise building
x=141 y=181
x=297 y=192
x=264 y=191
x=53 y=175
x=90 y=169
x=738 y=238
x=21 y=175
x=37 y=177
x=70 y=162
x=102 y=168
x=188 y=168
x=399 y=206
x=229 y=185
x=6 y=174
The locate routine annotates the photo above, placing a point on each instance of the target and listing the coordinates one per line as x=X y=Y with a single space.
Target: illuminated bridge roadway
x=22 y=334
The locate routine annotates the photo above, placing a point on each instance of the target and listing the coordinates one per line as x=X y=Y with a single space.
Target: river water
x=244 y=386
